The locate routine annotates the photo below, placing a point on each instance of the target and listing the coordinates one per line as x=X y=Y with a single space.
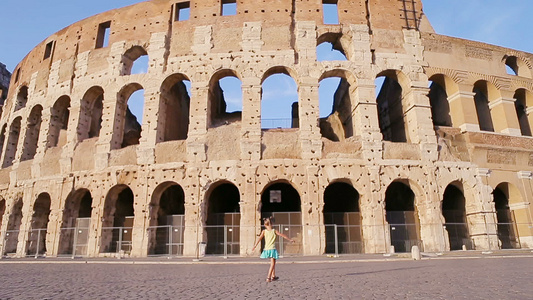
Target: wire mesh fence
x=225 y=240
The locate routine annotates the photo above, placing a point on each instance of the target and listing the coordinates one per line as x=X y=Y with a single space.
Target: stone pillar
x=194 y=224
x=97 y=217
x=480 y=214
x=196 y=141
x=366 y=123
x=141 y=220
x=111 y=131
x=463 y=111
x=25 y=225
x=251 y=119
x=523 y=211
x=432 y=232
x=504 y=117
x=376 y=235
x=312 y=232
x=250 y=226
x=146 y=148
x=54 y=232
x=310 y=137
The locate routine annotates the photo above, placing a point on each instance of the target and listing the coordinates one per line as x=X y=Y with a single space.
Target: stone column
x=310 y=137
x=463 y=111
x=111 y=131
x=366 y=123
x=504 y=117
x=250 y=226
x=432 y=232
x=196 y=141
x=25 y=225
x=312 y=233
x=251 y=119
x=96 y=224
x=376 y=235
x=194 y=227
x=523 y=211
x=146 y=148
x=141 y=220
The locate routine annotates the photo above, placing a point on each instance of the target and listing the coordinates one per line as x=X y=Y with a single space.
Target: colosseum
x=427 y=140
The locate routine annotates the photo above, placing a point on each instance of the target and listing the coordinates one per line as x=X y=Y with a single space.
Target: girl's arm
x=259 y=239
x=284 y=236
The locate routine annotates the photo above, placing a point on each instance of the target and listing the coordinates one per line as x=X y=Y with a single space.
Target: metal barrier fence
x=278 y=123
x=224 y=240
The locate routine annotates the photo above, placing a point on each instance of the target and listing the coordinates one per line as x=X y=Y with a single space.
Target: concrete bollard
x=392 y=250
x=464 y=247
x=415 y=253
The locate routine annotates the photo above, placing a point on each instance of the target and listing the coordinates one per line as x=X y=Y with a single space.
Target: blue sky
x=502 y=22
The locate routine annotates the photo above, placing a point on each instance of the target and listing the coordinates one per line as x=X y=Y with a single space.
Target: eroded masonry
x=426 y=139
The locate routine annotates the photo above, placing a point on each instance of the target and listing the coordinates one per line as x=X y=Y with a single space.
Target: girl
x=270 y=249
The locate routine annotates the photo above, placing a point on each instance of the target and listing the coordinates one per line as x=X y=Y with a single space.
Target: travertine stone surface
x=68 y=83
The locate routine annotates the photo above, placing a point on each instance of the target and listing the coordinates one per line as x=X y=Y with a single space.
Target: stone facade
x=415 y=165
x=5 y=76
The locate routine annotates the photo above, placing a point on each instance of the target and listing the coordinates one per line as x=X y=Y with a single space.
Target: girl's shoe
x=274 y=278
x=268 y=280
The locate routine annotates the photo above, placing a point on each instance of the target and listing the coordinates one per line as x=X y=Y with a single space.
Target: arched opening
x=76 y=223
x=32 y=134
x=402 y=217
x=482 y=99
x=281 y=201
x=279 y=100
x=174 y=108
x=522 y=99
x=12 y=143
x=438 y=99
x=391 y=111
x=2 y=210
x=225 y=98
x=336 y=95
x=516 y=66
x=507 y=230
x=342 y=219
x=39 y=225
x=13 y=228
x=117 y=221
x=168 y=219
x=130 y=110
x=454 y=213
x=330 y=48
x=22 y=98
x=135 y=61
x=223 y=220
x=57 y=135
x=2 y=138
x=92 y=106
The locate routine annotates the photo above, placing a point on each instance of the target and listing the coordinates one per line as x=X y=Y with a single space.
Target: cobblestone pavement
x=451 y=278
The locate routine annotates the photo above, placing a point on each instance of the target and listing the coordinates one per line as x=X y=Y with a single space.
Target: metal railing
x=279 y=123
x=225 y=240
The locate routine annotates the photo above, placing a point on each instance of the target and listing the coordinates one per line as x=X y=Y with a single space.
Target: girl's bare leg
x=272 y=269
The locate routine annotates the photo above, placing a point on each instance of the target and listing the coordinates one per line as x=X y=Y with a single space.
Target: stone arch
x=517 y=65
x=33 y=128
x=22 y=98
x=402 y=215
x=167 y=219
x=339 y=124
x=173 y=122
x=129 y=128
x=91 y=111
x=76 y=222
x=217 y=112
x=39 y=225
x=13 y=227
x=453 y=208
x=441 y=89
x=12 y=142
x=130 y=57
x=117 y=221
x=59 y=118
x=222 y=211
x=275 y=110
x=392 y=107
x=287 y=214
x=507 y=199
x=485 y=94
x=337 y=42
x=524 y=110
x=342 y=214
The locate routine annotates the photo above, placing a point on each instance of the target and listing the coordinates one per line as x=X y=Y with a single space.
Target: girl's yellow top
x=270 y=239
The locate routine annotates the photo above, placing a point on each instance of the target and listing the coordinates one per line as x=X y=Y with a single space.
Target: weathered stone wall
x=263 y=38
x=5 y=77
